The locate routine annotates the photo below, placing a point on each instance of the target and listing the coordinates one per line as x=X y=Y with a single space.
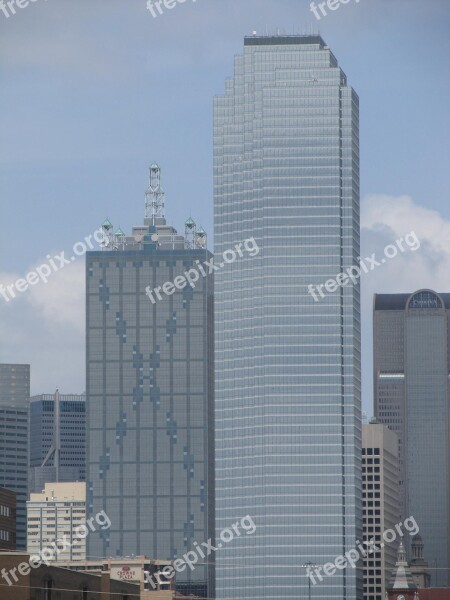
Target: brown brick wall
x=66 y=584
x=8 y=524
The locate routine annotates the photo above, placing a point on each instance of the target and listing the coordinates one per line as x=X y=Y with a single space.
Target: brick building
x=58 y=583
x=7 y=519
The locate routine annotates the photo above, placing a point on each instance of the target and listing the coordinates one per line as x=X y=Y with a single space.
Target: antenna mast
x=154 y=195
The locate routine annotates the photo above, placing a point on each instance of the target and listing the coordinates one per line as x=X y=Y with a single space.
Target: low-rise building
x=21 y=578
x=55 y=515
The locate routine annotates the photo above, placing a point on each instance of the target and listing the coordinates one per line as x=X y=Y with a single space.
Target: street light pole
x=309 y=565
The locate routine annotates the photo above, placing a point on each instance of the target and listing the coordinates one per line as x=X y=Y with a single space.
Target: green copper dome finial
x=190 y=223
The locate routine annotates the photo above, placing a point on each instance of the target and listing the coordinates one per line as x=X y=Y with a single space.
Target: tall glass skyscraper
x=412 y=397
x=14 y=403
x=288 y=424
x=149 y=395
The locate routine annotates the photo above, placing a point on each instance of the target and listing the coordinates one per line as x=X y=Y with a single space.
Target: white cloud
x=44 y=326
x=385 y=219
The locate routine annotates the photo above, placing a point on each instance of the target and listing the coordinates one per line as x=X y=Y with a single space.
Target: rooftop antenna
x=55 y=448
x=154 y=195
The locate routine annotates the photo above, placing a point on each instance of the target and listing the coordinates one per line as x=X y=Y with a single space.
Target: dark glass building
x=288 y=415
x=149 y=394
x=72 y=439
x=14 y=401
x=411 y=389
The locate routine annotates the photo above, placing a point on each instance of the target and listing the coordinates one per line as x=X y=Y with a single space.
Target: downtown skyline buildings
x=118 y=239
x=287 y=377
x=411 y=391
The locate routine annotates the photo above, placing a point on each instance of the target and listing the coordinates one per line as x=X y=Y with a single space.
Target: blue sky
x=93 y=91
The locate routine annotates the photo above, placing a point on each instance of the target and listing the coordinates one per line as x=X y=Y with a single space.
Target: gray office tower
x=411 y=381
x=48 y=441
x=149 y=391
x=14 y=399
x=288 y=414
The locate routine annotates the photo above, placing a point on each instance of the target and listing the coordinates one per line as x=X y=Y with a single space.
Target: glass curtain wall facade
x=288 y=415
x=149 y=400
x=72 y=463
x=411 y=376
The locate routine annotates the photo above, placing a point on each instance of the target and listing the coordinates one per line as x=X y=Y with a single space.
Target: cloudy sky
x=93 y=91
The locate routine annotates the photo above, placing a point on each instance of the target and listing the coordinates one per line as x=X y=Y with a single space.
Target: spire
x=401 y=578
x=401 y=556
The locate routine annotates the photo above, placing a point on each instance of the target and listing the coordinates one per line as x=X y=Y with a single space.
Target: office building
x=381 y=505
x=63 y=442
x=7 y=519
x=56 y=514
x=149 y=391
x=287 y=378
x=14 y=385
x=411 y=380
x=14 y=400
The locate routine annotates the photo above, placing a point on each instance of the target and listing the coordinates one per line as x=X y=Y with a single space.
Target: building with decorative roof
x=401 y=586
x=149 y=391
x=411 y=391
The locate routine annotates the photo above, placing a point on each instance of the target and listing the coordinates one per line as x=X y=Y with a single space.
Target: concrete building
x=55 y=514
x=381 y=504
x=71 y=442
x=138 y=569
x=287 y=379
x=149 y=391
x=411 y=379
x=14 y=400
x=7 y=519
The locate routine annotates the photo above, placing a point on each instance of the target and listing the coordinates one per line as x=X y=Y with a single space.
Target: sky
x=93 y=91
